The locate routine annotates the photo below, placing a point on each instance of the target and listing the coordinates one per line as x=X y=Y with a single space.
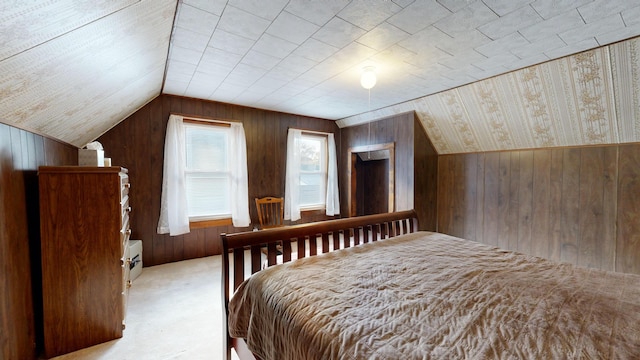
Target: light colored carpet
x=174 y=312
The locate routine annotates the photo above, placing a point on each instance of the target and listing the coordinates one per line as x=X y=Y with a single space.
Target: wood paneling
x=21 y=152
x=416 y=163
x=575 y=205
x=137 y=143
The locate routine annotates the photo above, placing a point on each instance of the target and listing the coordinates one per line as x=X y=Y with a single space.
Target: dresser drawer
x=124 y=185
x=124 y=206
x=125 y=233
x=126 y=281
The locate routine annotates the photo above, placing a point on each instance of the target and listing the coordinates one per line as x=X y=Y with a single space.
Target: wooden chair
x=270 y=212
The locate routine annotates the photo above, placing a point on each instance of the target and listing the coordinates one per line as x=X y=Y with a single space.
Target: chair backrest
x=270 y=212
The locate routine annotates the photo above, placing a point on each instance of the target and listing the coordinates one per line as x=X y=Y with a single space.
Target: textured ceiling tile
x=502 y=45
x=510 y=23
x=267 y=9
x=497 y=61
x=259 y=60
x=245 y=75
x=551 y=27
x=619 y=34
x=220 y=57
x=455 y=5
x=593 y=29
x=196 y=20
x=468 y=18
x=91 y=67
x=186 y=55
x=53 y=19
x=425 y=39
x=536 y=48
x=297 y=64
x=315 y=50
x=231 y=42
x=586 y=44
x=338 y=33
x=631 y=16
x=180 y=69
x=189 y=39
x=242 y=23
x=318 y=12
x=361 y=14
x=418 y=16
x=274 y=46
x=601 y=8
x=382 y=36
x=292 y=28
x=504 y=7
x=215 y=7
x=551 y=8
x=463 y=43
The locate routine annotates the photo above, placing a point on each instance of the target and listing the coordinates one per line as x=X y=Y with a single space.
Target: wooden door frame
x=352 y=173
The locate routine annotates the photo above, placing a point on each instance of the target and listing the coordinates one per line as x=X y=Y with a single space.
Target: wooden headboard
x=308 y=239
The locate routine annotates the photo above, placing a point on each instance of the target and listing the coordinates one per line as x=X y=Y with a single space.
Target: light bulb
x=368 y=78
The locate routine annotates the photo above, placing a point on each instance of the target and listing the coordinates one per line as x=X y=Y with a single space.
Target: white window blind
x=313 y=171
x=207 y=173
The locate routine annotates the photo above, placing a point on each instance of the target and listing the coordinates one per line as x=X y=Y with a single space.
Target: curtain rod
x=206 y=122
x=204 y=119
x=312 y=131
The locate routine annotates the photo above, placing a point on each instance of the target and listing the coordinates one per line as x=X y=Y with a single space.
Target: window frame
x=207 y=220
x=324 y=171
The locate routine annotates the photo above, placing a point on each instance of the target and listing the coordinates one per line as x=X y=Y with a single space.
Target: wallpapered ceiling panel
x=625 y=64
x=588 y=98
x=56 y=89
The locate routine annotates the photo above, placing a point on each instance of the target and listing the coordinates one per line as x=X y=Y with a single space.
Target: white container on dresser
x=84 y=225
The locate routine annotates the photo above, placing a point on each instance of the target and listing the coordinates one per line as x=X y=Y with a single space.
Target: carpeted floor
x=174 y=312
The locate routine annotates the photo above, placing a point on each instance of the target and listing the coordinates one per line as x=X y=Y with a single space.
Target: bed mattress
x=430 y=296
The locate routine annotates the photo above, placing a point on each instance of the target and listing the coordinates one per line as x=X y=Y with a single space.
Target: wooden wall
x=575 y=205
x=137 y=143
x=416 y=163
x=21 y=152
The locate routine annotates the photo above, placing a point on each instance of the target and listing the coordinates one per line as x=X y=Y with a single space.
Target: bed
x=392 y=291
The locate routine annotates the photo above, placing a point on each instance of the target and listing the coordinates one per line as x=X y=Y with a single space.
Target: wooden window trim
x=209 y=223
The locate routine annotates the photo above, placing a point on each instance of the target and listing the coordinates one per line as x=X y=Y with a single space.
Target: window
x=204 y=176
x=311 y=179
x=207 y=173
x=313 y=172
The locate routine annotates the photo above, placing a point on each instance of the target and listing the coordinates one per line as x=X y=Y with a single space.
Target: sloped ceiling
x=72 y=69
x=585 y=99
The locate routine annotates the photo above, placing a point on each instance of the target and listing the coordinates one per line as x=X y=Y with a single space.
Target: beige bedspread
x=433 y=296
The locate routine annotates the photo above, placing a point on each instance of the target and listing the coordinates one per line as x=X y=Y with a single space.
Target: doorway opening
x=371 y=179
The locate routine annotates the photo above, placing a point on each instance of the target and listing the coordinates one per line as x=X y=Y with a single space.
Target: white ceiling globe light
x=368 y=78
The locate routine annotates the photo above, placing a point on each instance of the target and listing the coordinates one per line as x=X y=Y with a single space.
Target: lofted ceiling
x=480 y=74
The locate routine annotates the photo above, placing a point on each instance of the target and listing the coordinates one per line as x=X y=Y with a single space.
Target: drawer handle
x=128 y=232
x=128 y=209
x=127 y=185
x=128 y=284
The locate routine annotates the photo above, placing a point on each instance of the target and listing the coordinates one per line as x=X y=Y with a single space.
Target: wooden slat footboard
x=284 y=244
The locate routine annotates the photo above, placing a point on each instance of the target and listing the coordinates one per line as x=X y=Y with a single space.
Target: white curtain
x=174 y=218
x=292 y=176
x=333 y=197
x=239 y=177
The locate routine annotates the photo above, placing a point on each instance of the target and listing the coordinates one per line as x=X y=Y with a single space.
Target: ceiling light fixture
x=368 y=78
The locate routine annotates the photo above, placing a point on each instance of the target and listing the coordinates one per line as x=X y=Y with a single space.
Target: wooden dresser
x=84 y=224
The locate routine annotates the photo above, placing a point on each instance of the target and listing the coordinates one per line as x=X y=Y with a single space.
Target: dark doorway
x=371 y=179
